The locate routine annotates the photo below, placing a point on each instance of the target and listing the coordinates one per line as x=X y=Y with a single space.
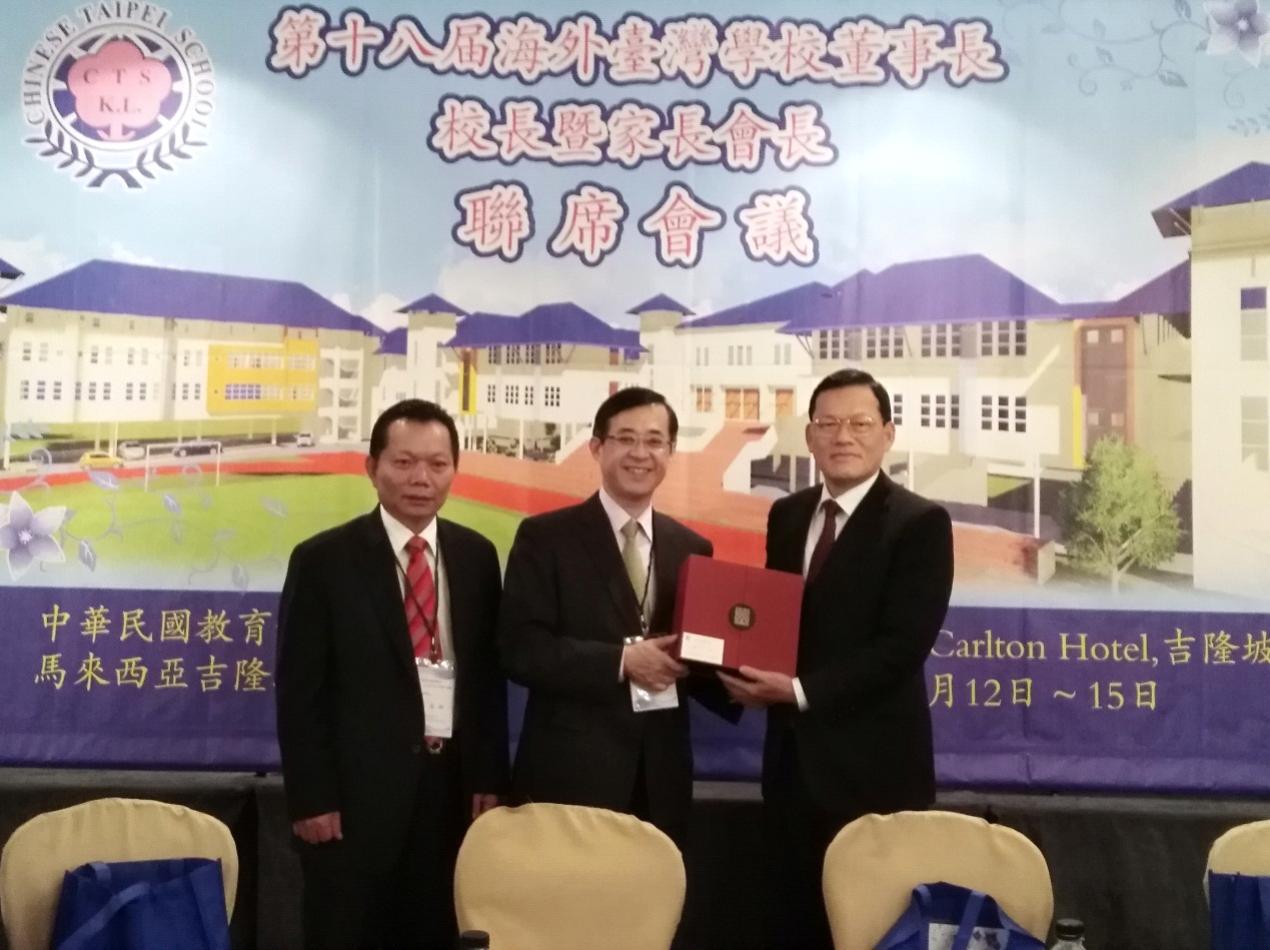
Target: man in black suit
x=371 y=611
x=584 y=626
x=851 y=733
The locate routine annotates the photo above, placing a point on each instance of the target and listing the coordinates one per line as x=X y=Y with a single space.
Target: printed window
x=513 y=395
x=26 y=352
x=552 y=397
x=495 y=355
x=529 y=395
x=1255 y=431
x=24 y=389
x=94 y=355
x=105 y=390
x=1252 y=330
x=57 y=390
x=44 y=353
x=554 y=354
x=127 y=392
x=39 y=390
x=92 y=392
x=704 y=398
x=897 y=408
x=141 y=390
x=924 y=420
x=491 y=394
x=534 y=356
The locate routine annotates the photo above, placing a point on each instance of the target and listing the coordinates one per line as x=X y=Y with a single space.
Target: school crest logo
x=116 y=91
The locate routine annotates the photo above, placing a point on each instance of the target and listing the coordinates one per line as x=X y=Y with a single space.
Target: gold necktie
x=635 y=569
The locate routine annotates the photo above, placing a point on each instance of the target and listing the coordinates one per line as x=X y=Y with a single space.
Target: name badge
x=645 y=700
x=436 y=684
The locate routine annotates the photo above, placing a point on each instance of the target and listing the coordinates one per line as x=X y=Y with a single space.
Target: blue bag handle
x=97 y=923
x=177 y=867
x=969 y=917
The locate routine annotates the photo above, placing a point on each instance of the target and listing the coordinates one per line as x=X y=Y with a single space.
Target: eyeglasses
x=653 y=443
x=856 y=425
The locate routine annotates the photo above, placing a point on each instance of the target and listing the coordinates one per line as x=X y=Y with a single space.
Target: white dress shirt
x=848 y=501
x=398 y=536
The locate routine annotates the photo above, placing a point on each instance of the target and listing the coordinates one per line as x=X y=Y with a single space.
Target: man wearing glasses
x=588 y=597
x=851 y=733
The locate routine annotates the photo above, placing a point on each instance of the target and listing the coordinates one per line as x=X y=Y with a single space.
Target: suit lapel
x=379 y=574
x=597 y=534
x=456 y=586
x=789 y=553
x=668 y=555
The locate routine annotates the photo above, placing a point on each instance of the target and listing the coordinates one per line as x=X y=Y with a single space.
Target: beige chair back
x=1244 y=849
x=564 y=877
x=874 y=863
x=39 y=852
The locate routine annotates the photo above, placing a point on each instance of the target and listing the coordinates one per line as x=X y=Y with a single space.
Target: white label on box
x=700 y=648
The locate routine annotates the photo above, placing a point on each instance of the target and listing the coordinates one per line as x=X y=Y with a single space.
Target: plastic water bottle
x=474 y=940
x=1070 y=933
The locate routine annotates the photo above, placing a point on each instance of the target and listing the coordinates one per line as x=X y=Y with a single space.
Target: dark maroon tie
x=824 y=543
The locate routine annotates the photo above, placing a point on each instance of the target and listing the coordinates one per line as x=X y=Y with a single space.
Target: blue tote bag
x=143 y=905
x=948 y=917
x=1239 y=911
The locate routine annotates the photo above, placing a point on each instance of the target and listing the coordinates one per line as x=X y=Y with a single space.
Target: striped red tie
x=421 y=598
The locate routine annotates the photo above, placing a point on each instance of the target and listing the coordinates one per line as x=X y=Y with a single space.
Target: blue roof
x=432 y=303
x=1249 y=182
x=1165 y=294
x=8 y=271
x=393 y=342
x=547 y=323
x=957 y=289
x=781 y=307
x=661 y=302
x=134 y=289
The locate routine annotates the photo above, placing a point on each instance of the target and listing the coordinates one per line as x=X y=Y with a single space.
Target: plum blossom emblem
x=27 y=535
x=1237 y=25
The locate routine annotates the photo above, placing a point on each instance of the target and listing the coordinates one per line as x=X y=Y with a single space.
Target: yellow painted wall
x=278 y=382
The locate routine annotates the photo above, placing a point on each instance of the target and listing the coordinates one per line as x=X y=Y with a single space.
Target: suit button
x=416 y=748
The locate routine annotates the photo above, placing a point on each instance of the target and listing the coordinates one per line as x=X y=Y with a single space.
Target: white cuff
x=800 y=695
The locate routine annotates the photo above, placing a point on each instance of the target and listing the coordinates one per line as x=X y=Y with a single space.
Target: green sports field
x=188 y=524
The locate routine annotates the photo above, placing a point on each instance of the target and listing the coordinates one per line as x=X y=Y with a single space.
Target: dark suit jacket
x=869 y=621
x=350 y=715
x=567 y=605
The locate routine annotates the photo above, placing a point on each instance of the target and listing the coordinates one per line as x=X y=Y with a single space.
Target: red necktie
x=824 y=543
x=421 y=598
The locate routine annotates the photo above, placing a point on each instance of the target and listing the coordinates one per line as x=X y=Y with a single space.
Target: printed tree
x=1118 y=516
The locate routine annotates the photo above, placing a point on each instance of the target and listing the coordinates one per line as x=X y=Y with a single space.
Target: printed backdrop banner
x=233 y=233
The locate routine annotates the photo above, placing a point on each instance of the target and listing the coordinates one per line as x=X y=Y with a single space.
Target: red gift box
x=731 y=615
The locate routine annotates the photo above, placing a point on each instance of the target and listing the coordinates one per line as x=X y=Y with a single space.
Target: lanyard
x=434 y=653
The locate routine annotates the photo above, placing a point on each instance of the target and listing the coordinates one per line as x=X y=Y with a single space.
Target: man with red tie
x=392 y=712
x=851 y=733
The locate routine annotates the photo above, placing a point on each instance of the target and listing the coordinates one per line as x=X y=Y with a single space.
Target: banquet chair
x=874 y=863
x=567 y=877
x=1244 y=849
x=41 y=850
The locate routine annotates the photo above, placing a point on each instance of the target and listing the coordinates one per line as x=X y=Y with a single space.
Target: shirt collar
x=851 y=498
x=399 y=534
x=618 y=515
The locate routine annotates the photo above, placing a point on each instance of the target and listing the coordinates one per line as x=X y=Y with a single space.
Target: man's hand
x=758 y=688
x=481 y=803
x=319 y=829
x=649 y=664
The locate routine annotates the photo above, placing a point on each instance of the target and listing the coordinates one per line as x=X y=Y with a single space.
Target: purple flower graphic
x=27 y=536
x=1237 y=24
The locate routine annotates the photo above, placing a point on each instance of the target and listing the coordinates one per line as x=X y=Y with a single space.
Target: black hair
x=415 y=410
x=841 y=378
x=631 y=398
